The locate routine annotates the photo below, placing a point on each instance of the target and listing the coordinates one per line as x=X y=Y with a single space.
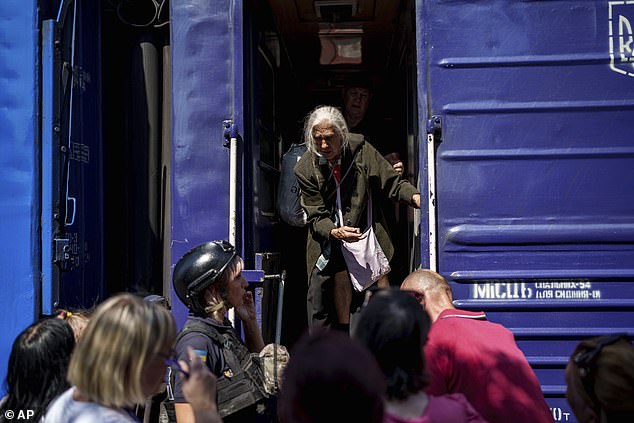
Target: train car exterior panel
x=206 y=90
x=534 y=171
x=524 y=150
x=19 y=209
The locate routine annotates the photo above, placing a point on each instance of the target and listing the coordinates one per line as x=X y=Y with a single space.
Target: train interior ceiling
x=297 y=54
x=322 y=45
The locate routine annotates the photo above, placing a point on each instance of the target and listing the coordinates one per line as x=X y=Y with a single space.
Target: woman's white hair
x=329 y=115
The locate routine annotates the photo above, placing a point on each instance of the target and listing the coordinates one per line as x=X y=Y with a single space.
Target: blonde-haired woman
x=118 y=362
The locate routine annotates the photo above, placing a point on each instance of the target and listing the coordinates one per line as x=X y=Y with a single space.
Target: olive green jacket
x=362 y=168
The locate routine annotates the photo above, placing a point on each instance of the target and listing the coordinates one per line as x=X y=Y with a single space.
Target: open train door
x=207 y=81
x=71 y=159
x=531 y=107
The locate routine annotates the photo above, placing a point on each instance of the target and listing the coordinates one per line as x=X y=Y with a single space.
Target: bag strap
x=369 y=209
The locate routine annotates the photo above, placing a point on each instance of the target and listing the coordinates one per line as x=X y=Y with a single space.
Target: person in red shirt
x=468 y=354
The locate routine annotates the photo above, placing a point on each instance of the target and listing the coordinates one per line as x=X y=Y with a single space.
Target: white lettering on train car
x=559 y=415
x=621 y=16
x=502 y=291
x=543 y=290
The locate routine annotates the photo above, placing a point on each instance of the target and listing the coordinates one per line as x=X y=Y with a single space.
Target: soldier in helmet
x=208 y=280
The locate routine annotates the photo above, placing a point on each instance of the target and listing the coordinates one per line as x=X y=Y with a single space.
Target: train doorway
x=302 y=54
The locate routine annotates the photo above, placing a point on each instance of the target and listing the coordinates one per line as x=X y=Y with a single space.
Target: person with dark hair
x=600 y=380
x=343 y=178
x=467 y=354
x=208 y=280
x=331 y=379
x=357 y=94
x=36 y=373
x=394 y=327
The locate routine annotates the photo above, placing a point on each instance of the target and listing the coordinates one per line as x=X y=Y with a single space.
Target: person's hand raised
x=246 y=311
x=199 y=388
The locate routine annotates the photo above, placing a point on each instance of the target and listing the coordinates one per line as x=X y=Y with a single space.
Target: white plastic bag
x=365 y=260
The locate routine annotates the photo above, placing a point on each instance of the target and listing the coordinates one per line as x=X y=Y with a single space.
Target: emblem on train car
x=621 y=19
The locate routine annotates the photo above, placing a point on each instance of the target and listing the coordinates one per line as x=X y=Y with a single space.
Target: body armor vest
x=242 y=383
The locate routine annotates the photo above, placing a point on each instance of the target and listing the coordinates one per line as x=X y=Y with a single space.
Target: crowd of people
x=412 y=357
x=373 y=352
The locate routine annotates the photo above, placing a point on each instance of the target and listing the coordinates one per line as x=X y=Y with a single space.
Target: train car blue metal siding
x=531 y=104
x=19 y=174
x=206 y=88
x=535 y=169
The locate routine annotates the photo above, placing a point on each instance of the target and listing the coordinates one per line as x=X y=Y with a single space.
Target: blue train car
x=134 y=131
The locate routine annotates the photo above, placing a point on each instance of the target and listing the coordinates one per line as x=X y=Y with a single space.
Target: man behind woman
x=478 y=358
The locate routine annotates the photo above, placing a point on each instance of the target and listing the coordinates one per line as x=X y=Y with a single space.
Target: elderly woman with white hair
x=338 y=176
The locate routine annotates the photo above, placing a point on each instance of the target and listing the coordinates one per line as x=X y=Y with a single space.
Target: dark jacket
x=362 y=166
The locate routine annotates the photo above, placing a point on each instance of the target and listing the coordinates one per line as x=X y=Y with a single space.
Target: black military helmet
x=198 y=269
